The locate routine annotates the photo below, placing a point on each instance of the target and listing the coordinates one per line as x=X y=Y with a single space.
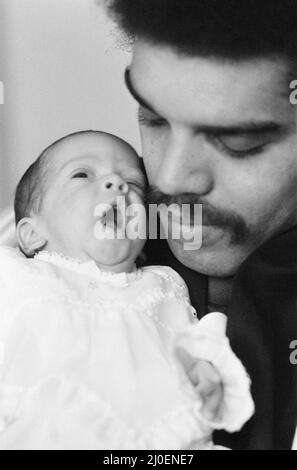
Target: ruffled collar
x=88 y=268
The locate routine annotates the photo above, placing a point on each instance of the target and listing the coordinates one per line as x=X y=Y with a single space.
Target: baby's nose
x=115 y=183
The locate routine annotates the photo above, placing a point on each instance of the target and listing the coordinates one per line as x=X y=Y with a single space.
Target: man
x=212 y=79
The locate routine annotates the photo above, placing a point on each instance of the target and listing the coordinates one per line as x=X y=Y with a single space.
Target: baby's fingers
x=189 y=364
x=212 y=398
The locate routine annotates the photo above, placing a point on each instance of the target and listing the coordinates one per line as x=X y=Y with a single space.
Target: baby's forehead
x=93 y=148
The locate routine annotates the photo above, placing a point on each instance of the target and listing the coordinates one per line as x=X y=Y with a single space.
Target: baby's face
x=92 y=171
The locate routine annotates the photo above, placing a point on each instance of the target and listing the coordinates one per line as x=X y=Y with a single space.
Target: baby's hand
x=206 y=381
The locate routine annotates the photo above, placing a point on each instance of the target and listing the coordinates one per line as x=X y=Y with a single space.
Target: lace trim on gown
x=88 y=268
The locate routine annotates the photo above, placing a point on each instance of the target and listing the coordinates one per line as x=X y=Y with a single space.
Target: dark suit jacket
x=262 y=323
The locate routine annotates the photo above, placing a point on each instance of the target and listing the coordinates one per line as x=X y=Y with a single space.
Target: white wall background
x=63 y=71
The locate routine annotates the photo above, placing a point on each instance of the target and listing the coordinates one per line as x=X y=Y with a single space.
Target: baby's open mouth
x=110 y=216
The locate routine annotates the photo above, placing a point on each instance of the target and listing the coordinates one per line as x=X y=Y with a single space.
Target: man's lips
x=202 y=235
x=192 y=222
x=191 y=218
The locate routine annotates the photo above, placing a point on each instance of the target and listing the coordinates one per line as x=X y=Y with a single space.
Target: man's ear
x=29 y=237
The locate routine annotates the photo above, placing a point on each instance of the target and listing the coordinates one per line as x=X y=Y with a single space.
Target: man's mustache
x=210 y=215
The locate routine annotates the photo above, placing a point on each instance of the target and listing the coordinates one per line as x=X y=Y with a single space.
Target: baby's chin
x=115 y=255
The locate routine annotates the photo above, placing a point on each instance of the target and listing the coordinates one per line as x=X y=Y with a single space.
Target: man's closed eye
x=245 y=144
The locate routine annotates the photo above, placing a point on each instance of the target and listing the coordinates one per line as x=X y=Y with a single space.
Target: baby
x=97 y=354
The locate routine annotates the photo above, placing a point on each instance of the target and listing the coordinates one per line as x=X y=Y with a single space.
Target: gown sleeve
x=27 y=325
x=9 y=267
x=206 y=340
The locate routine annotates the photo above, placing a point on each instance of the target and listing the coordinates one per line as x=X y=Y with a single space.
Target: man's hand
x=206 y=381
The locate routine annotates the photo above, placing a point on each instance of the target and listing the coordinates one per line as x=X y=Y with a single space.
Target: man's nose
x=184 y=167
x=114 y=184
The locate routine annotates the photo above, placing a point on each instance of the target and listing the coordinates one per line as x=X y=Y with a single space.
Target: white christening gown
x=87 y=358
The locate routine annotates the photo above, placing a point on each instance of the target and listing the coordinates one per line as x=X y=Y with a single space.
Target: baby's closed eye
x=80 y=174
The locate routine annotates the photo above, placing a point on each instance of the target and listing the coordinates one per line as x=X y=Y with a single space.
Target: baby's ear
x=30 y=239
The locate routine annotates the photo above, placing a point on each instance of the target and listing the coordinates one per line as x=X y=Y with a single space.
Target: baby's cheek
x=135 y=198
x=79 y=205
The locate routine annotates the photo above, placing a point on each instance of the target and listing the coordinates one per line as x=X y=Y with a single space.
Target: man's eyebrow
x=250 y=127
x=247 y=128
x=135 y=94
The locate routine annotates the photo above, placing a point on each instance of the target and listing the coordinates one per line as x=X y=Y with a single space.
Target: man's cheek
x=254 y=193
x=153 y=166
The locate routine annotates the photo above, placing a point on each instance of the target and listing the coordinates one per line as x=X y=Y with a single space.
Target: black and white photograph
x=148 y=227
